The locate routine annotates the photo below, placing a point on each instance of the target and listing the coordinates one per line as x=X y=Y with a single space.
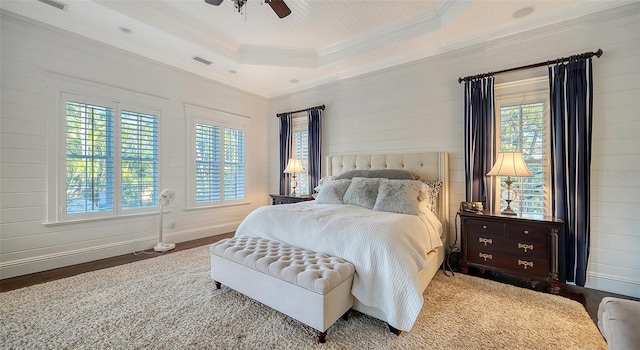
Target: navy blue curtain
x=286 y=134
x=479 y=128
x=315 y=147
x=571 y=89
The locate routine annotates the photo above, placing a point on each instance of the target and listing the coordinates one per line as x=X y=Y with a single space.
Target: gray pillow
x=362 y=192
x=398 y=196
x=381 y=173
x=332 y=192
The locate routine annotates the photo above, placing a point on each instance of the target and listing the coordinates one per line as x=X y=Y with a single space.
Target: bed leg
x=218 y=284
x=322 y=336
x=394 y=330
x=346 y=315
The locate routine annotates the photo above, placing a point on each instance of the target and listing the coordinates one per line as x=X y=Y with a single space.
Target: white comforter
x=387 y=249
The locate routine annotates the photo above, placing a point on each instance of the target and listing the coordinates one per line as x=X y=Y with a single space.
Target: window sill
x=88 y=220
x=216 y=206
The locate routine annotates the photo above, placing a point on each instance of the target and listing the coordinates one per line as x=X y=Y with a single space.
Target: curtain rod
x=535 y=65
x=302 y=110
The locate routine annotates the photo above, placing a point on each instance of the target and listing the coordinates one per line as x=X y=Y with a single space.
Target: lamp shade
x=294 y=166
x=510 y=164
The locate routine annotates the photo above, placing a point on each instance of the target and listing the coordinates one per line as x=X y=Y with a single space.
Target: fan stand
x=161 y=246
x=166 y=197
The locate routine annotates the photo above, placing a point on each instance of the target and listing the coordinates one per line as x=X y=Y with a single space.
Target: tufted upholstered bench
x=312 y=288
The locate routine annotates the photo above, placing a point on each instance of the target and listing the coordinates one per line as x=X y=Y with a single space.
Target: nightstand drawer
x=524 y=248
x=277 y=199
x=530 y=232
x=524 y=266
x=485 y=227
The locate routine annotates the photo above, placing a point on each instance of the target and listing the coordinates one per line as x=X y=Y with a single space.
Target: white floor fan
x=165 y=198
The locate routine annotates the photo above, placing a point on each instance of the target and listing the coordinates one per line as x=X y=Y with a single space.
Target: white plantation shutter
x=523 y=128
x=89 y=158
x=233 y=164
x=218 y=163
x=301 y=151
x=139 y=159
x=207 y=163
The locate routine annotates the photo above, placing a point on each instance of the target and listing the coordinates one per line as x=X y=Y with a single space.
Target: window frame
x=117 y=109
x=58 y=90
x=520 y=92
x=197 y=114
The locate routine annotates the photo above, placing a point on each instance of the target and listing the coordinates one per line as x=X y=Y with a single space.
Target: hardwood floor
x=589 y=298
x=68 y=271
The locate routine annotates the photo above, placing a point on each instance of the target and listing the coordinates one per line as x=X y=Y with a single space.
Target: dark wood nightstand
x=524 y=246
x=282 y=199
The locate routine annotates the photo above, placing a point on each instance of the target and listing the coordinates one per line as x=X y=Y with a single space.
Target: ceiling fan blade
x=213 y=2
x=279 y=7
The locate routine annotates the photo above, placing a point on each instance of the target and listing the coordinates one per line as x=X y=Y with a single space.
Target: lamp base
x=508 y=210
x=164 y=247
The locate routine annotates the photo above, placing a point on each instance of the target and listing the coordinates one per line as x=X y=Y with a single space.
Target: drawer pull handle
x=526 y=232
x=485 y=256
x=484 y=227
x=486 y=240
x=525 y=263
x=525 y=246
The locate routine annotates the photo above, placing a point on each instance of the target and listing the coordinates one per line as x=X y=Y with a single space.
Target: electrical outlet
x=172 y=225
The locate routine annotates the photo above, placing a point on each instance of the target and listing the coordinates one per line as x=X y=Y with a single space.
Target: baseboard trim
x=613 y=284
x=45 y=262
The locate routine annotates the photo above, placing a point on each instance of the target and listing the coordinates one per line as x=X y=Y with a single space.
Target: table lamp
x=294 y=166
x=509 y=164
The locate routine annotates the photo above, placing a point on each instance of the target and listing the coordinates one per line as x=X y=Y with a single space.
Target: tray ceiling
x=321 y=41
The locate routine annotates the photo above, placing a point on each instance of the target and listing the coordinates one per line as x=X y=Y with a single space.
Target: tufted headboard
x=431 y=166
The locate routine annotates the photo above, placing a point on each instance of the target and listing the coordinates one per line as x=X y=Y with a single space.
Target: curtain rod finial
x=599 y=53
x=460 y=80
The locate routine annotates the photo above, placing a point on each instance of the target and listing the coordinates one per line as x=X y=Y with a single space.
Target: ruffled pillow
x=332 y=192
x=362 y=192
x=428 y=197
x=398 y=196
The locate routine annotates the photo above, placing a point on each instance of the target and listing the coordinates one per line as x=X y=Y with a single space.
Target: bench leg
x=218 y=284
x=322 y=336
x=394 y=330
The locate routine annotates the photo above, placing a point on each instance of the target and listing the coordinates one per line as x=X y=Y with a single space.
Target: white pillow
x=332 y=192
x=398 y=196
x=362 y=192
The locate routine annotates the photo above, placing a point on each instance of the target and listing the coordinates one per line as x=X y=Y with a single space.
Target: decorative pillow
x=398 y=196
x=323 y=181
x=396 y=174
x=332 y=192
x=362 y=192
x=429 y=195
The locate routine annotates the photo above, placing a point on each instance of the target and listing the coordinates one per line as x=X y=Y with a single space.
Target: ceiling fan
x=279 y=7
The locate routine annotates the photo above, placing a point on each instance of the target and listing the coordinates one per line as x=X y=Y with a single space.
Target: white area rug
x=170 y=302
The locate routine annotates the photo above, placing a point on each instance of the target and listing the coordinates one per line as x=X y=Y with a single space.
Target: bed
x=395 y=255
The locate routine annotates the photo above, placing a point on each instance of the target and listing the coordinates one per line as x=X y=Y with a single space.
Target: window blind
x=207 y=163
x=233 y=164
x=139 y=159
x=89 y=158
x=522 y=129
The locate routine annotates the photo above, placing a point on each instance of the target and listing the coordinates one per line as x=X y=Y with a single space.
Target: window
x=301 y=151
x=523 y=126
x=217 y=152
x=111 y=158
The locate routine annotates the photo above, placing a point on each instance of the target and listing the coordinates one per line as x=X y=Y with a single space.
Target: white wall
x=419 y=107
x=32 y=51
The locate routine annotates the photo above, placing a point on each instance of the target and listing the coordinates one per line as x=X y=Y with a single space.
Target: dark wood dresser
x=524 y=246
x=282 y=199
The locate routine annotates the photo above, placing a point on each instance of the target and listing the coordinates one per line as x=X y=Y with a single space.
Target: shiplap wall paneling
x=419 y=107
